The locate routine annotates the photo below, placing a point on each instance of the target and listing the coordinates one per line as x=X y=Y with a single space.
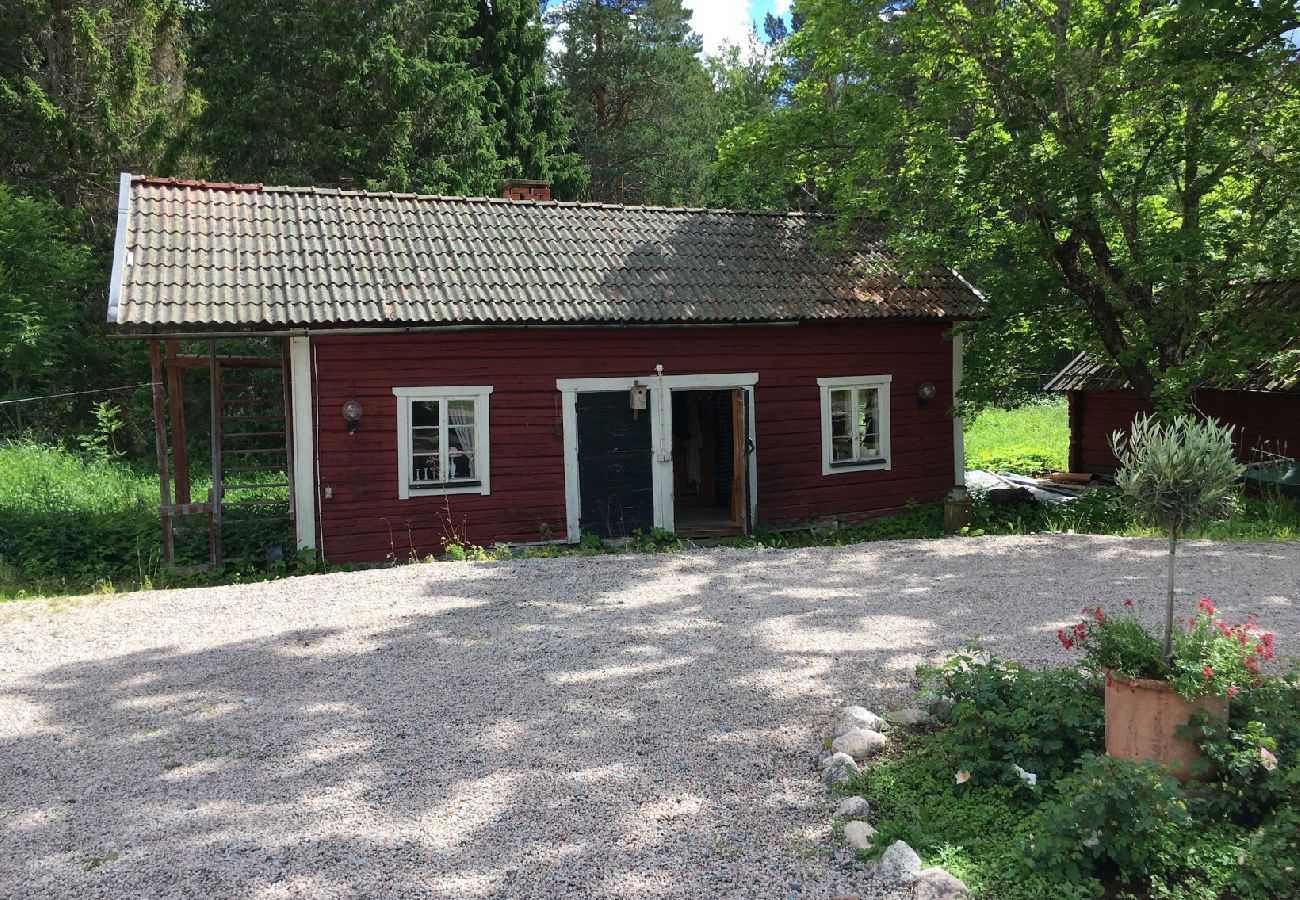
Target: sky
x=719 y=21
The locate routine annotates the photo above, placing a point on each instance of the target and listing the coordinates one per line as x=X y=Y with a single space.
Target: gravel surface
x=616 y=726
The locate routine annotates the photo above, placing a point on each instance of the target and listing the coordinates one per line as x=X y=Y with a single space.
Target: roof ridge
x=162 y=181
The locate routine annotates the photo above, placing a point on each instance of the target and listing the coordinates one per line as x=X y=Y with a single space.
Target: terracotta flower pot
x=1142 y=716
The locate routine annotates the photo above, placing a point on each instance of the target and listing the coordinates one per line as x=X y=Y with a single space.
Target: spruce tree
x=534 y=138
x=87 y=89
x=379 y=94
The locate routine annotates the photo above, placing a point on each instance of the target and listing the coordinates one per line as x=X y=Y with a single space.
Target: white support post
x=304 y=441
x=958 y=424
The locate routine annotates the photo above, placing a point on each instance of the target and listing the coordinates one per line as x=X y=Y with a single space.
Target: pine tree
x=379 y=94
x=645 y=113
x=87 y=89
x=534 y=139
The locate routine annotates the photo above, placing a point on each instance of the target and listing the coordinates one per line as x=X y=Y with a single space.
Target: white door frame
x=661 y=410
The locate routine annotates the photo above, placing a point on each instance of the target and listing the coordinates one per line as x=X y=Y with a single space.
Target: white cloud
x=781 y=7
x=720 y=21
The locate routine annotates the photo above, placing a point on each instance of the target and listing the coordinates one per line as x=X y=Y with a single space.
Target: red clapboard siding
x=365 y=520
x=1265 y=423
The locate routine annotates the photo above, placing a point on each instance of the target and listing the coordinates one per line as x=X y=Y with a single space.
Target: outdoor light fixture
x=352 y=415
x=925 y=393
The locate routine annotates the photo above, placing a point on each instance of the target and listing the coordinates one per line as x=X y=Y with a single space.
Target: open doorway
x=710 y=478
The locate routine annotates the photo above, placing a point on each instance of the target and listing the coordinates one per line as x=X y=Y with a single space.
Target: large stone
x=899 y=864
x=853 y=808
x=839 y=768
x=858 y=835
x=935 y=883
x=910 y=718
x=853 y=717
x=860 y=743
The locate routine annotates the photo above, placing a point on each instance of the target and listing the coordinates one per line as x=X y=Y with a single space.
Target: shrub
x=1006 y=722
x=1112 y=815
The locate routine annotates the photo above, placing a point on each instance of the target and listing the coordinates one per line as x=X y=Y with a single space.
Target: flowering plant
x=1208 y=655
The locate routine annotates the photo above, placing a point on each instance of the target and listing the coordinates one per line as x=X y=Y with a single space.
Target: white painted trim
x=671 y=382
x=958 y=421
x=304 y=445
x=661 y=388
x=120 y=261
x=883 y=384
x=482 y=411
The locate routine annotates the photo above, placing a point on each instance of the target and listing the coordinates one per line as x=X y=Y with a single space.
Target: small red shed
x=1264 y=406
x=499 y=369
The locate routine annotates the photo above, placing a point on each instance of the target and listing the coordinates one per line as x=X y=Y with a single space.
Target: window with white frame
x=442 y=440
x=855 y=423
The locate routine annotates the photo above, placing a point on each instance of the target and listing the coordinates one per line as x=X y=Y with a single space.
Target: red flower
x=1128 y=602
x=1204 y=605
x=1232 y=692
x=1208 y=672
x=1065 y=641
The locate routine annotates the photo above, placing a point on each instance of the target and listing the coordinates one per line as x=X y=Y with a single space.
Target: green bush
x=999 y=715
x=1113 y=817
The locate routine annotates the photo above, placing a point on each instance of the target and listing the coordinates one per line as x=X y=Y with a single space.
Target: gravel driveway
x=620 y=726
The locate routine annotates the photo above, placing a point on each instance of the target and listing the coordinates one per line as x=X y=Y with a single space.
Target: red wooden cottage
x=1264 y=406
x=521 y=369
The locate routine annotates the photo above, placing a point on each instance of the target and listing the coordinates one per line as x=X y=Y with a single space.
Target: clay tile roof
x=1272 y=307
x=242 y=255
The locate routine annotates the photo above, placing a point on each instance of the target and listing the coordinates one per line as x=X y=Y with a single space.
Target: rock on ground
x=910 y=718
x=935 y=883
x=630 y=726
x=899 y=864
x=852 y=717
x=839 y=768
x=858 y=835
x=860 y=744
x=853 y=808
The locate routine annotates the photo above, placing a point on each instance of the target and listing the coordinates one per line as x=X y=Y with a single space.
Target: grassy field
x=1035 y=436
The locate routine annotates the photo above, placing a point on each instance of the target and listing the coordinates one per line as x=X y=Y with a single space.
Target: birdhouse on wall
x=636 y=399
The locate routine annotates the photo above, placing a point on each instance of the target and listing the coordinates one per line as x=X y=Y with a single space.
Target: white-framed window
x=442 y=441
x=855 y=423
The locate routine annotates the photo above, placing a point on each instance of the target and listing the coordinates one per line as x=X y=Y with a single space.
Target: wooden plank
x=176 y=411
x=160 y=448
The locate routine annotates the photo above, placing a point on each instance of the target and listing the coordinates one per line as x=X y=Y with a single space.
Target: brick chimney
x=524 y=189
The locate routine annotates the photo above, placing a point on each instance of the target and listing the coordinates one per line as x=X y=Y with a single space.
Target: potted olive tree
x=1175 y=475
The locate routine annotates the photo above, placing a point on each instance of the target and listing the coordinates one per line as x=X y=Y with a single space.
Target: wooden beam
x=160 y=448
x=176 y=411
x=218 y=489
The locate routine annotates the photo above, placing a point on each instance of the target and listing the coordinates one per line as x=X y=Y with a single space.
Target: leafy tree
x=643 y=105
x=534 y=140
x=380 y=93
x=47 y=273
x=1114 y=174
x=87 y=89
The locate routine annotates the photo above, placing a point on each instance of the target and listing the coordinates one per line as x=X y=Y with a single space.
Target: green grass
x=1024 y=440
x=70 y=524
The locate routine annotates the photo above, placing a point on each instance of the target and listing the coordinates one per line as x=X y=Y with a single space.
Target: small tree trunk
x=1169 y=598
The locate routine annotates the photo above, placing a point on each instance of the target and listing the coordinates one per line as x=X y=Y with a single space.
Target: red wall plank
x=365 y=520
x=1265 y=423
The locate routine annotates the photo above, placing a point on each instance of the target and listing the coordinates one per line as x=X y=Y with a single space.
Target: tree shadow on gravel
x=636 y=726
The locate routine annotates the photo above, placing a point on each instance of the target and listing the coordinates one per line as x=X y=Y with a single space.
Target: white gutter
x=120 y=256
x=304 y=445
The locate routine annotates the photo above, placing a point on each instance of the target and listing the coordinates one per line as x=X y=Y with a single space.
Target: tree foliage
x=381 y=94
x=534 y=140
x=87 y=89
x=1114 y=174
x=644 y=108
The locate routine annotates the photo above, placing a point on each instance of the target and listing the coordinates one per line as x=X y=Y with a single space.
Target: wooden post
x=160 y=446
x=176 y=411
x=214 y=370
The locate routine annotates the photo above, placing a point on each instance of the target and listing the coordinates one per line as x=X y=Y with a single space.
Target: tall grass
x=70 y=523
x=1034 y=436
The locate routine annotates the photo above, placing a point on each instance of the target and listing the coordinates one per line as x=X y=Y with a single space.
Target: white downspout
x=958 y=423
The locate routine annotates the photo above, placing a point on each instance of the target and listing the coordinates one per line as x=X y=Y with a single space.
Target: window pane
x=424 y=413
x=841 y=435
x=868 y=423
x=460 y=437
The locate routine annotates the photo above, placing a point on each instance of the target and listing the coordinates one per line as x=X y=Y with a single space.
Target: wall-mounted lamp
x=924 y=394
x=352 y=415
